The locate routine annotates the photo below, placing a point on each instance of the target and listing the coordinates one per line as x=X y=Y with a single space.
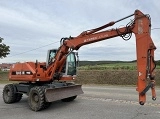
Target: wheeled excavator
x=45 y=82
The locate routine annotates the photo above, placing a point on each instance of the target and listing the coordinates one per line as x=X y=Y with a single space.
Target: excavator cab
x=70 y=67
x=50 y=55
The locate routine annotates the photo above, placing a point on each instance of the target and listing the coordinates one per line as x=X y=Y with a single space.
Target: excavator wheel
x=18 y=97
x=10 y=95
x=69 y=99
x=36 y=99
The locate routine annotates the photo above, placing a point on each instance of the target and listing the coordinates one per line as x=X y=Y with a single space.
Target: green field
x=3 y=75
x=110 y=66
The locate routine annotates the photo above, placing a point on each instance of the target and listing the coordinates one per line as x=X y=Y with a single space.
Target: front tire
x=36 y=98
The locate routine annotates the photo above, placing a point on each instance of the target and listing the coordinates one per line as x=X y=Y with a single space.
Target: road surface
x=97 y=102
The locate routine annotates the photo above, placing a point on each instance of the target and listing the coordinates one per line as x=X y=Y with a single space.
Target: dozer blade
x=53 y=94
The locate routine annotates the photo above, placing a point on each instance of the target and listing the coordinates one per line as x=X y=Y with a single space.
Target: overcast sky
x=31 y=27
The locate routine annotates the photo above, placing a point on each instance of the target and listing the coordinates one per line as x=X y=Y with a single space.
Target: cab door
x=71 y=64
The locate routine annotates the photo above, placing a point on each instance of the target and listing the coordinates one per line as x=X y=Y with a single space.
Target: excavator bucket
x=53 y=94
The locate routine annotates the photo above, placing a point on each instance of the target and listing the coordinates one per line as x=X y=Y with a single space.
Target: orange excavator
x=53 y=80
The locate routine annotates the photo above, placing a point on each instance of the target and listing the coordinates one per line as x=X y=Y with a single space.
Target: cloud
x=27 y=25
x=112 y=49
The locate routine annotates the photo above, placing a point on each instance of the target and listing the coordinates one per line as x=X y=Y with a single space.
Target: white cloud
x=26 y=25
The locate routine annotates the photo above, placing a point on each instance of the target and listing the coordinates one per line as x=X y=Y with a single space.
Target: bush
x=119 y=77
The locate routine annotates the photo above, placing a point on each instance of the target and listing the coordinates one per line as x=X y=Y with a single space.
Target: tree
x=4 y=49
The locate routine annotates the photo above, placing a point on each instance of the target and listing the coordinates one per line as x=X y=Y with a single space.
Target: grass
x=111 y=66
x=3 y=75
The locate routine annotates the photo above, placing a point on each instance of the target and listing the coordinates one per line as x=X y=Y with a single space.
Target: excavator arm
x=141 y=27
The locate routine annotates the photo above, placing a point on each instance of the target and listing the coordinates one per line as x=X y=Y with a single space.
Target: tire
x=36 y=99
x=9 y=95
x=69 y=99
x=47 y=105
x=18 y=97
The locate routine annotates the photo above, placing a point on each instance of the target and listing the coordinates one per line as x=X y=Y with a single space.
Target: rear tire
x=9 y=95
x=69 y=99
x=18 y=97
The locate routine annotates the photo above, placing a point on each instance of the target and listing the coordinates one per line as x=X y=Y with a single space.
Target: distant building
x=5 y=66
